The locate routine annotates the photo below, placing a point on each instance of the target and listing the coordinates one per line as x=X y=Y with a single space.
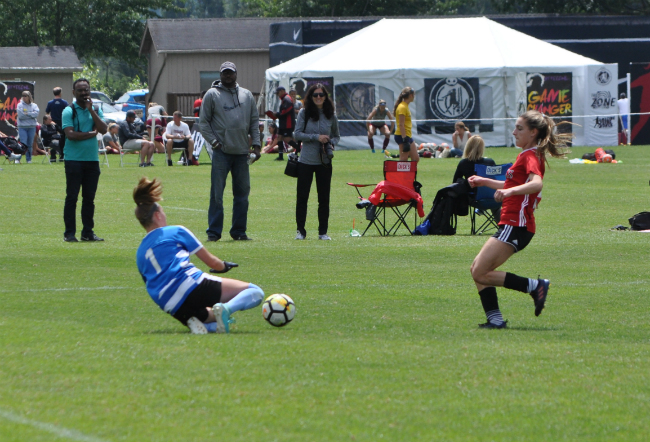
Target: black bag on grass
x=640 y=221
x=14 y=145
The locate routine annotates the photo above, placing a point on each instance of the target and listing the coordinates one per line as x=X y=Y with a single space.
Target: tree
x=609 y=7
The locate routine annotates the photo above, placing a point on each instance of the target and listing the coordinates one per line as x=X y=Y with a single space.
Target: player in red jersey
x=520 y=194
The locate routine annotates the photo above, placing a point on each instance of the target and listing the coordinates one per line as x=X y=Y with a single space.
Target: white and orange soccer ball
x=278 y=310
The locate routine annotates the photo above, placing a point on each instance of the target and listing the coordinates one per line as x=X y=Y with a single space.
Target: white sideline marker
x=50 y=428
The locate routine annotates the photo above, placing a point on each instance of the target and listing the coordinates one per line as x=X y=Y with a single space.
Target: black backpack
x=442 y=218
x=14 y=145
x=640 y=221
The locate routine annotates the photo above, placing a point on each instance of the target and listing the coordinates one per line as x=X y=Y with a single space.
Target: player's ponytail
x=146 y=196
x=549 y=141
x=402 y=95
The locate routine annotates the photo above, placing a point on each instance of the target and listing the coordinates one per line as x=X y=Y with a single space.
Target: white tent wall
x=484 y=89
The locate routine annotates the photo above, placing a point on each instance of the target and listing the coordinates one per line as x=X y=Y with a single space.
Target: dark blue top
x=55 y=109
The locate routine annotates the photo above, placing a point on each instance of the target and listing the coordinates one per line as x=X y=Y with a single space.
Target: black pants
x=82 y=175
x=59 y=128
x=323 y=181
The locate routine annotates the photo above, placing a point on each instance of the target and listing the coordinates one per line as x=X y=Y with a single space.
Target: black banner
x=302 y=84
x=640 y=103
x=453 y=99
x=10 y=95
x=354 y=101
x=552 y=95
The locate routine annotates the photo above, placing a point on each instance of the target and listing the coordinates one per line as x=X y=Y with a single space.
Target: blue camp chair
x=482 y=200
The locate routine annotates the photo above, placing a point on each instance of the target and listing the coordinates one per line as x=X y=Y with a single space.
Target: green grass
x=384 y=345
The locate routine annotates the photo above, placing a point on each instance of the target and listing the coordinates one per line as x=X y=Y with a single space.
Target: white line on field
x=66 y=289
x=50 y=428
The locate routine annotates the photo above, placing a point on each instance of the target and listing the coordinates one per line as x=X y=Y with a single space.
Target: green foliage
x=614 y=7
x=384 y=345
x=114 y=85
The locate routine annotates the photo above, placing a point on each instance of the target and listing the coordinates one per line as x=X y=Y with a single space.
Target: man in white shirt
x=178 y=136
x=623 y=111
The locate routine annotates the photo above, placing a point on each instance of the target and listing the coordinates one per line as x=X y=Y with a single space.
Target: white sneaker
x=29 y=162
x=299 y=235
x=196 y=327
x=324 y=237
x=13 y=156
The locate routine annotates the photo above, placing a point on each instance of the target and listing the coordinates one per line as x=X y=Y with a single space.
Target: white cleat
x=196 y=327
x=324 y=237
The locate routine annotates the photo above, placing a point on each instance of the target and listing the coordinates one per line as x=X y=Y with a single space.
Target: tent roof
x=441 y=44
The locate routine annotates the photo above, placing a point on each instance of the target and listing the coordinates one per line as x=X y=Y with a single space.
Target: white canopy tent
x=469 y=69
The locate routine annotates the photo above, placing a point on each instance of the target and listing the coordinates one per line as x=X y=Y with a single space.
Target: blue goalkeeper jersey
x=163 y=260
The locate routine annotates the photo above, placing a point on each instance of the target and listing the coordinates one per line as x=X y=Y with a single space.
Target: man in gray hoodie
x=229 y=121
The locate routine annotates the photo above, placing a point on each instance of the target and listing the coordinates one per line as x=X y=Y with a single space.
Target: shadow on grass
x=533 y=328
x=186 y=332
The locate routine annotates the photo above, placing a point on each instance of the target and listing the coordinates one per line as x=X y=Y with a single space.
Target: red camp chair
x=398 y=189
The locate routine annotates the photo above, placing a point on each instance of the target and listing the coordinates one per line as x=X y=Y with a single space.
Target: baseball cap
x=228 y=65
x=280 y=88
x=130 y=114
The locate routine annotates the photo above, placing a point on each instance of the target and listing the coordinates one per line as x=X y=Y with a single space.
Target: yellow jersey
x=403 y=109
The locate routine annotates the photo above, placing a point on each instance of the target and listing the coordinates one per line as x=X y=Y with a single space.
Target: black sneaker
x=143 y=165
x=241 y=238
x=149 y=165
x=279 y=159
x=70 y=238
x=213 y=238
x=539 y=295
x=490 y=325
x=169 y=163
x=91 y=238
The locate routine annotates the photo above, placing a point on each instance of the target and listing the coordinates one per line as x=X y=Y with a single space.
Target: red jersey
x=197 y=106
x=518 y=210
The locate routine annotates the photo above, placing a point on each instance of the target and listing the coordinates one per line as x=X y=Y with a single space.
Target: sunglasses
x=318 y=95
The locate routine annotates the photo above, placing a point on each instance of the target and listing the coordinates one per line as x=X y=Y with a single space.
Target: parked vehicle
x=97 y=95
x=135 y=101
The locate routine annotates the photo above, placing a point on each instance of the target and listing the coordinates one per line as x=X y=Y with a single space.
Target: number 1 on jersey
x=150 y=256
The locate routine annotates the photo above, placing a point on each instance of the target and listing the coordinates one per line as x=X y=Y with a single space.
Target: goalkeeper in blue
x=202 y=302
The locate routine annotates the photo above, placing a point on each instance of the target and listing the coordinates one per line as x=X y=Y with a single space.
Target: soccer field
x=385 y=344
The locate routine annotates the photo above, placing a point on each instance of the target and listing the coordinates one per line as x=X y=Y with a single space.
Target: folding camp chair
x=482 y=200
x=102 y=150
x=398 y=189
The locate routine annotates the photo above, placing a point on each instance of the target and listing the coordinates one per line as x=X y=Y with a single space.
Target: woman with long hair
x=318 y=129
x=198 y=300
x=472 y=155
x=459 y=139
x=404 y=126
x=520 y=194
x=26 y=115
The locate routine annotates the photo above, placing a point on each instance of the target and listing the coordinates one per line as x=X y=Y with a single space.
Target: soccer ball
x=278 y=310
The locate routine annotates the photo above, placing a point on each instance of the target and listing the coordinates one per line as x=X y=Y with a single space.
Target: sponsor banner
x=354 y=101
x=640 y=102
x=601 y=102
x=552 y=95
x=10 y=95
x=452 y=99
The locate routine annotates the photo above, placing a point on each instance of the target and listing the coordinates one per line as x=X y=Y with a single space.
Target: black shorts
x=378 y=125
x=179 y=144
x=207 y=294
x=517 y=237
x=286 y=133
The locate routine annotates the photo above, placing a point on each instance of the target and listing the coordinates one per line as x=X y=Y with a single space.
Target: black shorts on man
x=183 y=143
x=517 y=237
x=207 y=294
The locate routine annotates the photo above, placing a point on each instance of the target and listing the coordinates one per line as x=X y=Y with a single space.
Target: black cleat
x=169 y=163
x=70 y=238
x=241 y=238
x=539 y=295
x=491 y=325
x=91 y=238
x=213 y=238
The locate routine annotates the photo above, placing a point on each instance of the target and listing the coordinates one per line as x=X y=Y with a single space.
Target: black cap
x=280 y=88
x=130 y=114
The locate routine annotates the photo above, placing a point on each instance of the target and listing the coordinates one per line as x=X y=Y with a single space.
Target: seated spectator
x=131 y=140
x=272 y=141
x=8 y=153
x=37 y=143
x=473 y=155
x=111 y=141
x=459 y=139
x=178 y=135
x=156 y=109
x=51 y=138
x=158 y=141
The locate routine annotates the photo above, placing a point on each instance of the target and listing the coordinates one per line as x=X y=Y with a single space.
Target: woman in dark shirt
x=472 y=155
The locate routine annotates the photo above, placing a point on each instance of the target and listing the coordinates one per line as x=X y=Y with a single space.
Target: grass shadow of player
x=187 y=332
x=525 y=328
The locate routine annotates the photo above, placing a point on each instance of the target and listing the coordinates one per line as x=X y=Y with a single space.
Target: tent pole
x=505 y=108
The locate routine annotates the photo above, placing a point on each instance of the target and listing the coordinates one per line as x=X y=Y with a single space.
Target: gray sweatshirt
x=311 y=147
x=229 y=116
x=27 y=114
